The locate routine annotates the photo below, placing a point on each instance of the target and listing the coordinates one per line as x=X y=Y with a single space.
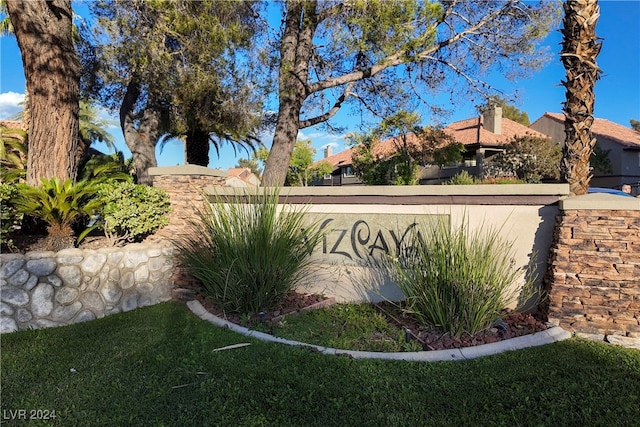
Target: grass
x=156 y=366
x=346 y=326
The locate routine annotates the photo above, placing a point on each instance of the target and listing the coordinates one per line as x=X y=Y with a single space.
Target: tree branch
x=400 y=57
x=332 y=112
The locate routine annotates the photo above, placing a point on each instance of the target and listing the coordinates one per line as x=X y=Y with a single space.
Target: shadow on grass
x=156 y=366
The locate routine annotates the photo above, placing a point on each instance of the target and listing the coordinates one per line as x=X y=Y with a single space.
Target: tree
x=367 y=161
x=600 y=160
x=173 y=67
x=635 y=124
x=509 y=111
x=410 y=146
x=527 y=158
x=52 y=72
x=302 y=169
x=93 y=127
x=331 y=53
x=580 y=47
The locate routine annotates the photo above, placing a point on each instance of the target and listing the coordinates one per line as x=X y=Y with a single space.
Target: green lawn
x=156 y=366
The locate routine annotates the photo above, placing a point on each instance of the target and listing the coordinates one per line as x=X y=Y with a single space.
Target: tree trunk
x=143 y=139
x=52 y=73
x=295 y=54
x=197 y=148
x=580 y=48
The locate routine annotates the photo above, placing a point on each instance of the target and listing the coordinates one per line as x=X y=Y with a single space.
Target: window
x=347 y=171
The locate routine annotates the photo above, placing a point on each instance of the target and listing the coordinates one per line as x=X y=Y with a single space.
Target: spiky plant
x=247 y=252
x=60 y=205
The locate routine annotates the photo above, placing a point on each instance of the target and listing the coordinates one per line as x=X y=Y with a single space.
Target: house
x=621 y=143
x=482 y=137
x=241 y=177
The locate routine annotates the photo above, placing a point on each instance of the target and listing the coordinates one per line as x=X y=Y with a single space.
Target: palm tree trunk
x=580 y=48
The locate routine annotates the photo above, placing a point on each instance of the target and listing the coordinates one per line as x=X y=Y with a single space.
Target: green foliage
x=449 y=153
x=299 y=173
x=13 y=154
x=249 y=254
x=154 y=366
x=9 y=216
x=600 y=160
x=396 y=161
x=462 y=178
x=302 y=169
x=92 y=127
x=346 y=326
x=104 y=167
x=367 y=161
x=130 y=212
x=635 y=124
x=458 y=280
x=60 y=204
x=191 y=61
x=527 y=158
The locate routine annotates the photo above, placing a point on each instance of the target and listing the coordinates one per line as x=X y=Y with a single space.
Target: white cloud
x=9 y=104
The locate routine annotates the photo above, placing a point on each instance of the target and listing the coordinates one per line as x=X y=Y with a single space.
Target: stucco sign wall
x=354 y=239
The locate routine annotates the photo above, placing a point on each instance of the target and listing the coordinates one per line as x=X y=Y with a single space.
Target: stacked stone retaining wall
x=594 y=269
x=44 y=289
x=185 y=186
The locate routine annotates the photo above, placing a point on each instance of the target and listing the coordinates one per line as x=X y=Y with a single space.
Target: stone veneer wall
x=184 y=185
x=594 y=268
x=44 y=289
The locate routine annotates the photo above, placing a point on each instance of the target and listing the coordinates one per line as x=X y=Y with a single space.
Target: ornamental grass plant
x=247 y=252
x=459 y=280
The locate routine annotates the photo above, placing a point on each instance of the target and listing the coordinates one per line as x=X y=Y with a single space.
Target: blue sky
x=617 y=91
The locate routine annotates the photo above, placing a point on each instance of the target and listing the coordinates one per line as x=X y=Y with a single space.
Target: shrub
x=457 y=280
x=527 y=158
x=9 y=215
x=247 y=253
x=462 y=178
x=60 y=205
x=130 y=212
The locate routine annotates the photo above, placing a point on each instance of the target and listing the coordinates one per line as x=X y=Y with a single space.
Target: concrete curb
x=539 y=338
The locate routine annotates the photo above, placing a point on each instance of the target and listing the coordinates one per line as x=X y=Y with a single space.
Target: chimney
x=493 y=120
x=327 y=151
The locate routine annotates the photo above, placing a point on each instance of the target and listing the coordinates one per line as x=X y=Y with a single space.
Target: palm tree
x=580 y=47
x=92 y=127
x=13 y=154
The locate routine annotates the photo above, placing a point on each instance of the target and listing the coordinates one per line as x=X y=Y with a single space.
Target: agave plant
x=60 y=205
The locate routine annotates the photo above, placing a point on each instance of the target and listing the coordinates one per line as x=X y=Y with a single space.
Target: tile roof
x=468 y=132
x=243 y=174
x=623 y=135
x=472 y=131
x=383 y=149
